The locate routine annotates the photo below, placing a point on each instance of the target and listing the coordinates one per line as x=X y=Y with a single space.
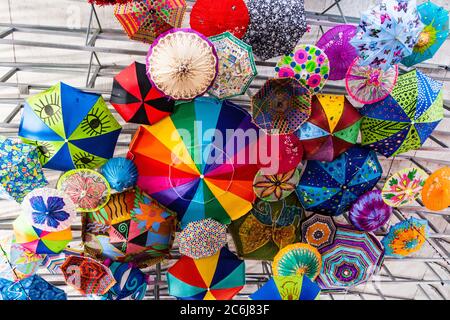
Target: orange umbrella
x=436 y=191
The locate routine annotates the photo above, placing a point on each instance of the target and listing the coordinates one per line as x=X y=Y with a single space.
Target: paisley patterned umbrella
x=297 y=259
x=318 y=230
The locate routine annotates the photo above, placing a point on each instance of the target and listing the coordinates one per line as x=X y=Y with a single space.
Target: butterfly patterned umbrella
x=369 y=212
x=131 y=283
x=136 y=99
x=331 y=187
x=219 y=277
x=332 y=128
x=267 y=228
x=406 y=118
x=404 y=187
x=436 y=190
x=287 y=288
x=31 y=288
x=387 y=33
x=318 y=230
x=71 y=128
x=297 y=259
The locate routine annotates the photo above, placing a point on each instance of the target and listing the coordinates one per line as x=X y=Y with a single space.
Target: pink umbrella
x=336 y=45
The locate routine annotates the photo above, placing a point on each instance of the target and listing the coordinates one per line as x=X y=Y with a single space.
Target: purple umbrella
x=370 y=211
x=336 y=45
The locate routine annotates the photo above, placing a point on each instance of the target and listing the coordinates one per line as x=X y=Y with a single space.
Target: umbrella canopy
x=213 y=18
x=120 y=173
x=72 y=128
x=88 y=189
x=31 y=288
x=406 y=118
x=202 y=238
x=281 y=106
x=352 y=259
x=404 y=187
x=433 y=35
x=87 y=275
x=20 y=169
x=200 y=162
x=237 y=67
x=331 y=187
x=144 y=20
x=182 y=64
x=436 y=190
x=267 y=228
x=336 y=45
x=308 y=64
x=275 y=187
x=297 y=259
x=219 y=277
x=367 y=84
x=136 y=99
x=287 y=288
x=53 y=262
x=275 y=27
x=318 y=230
x=369 y=212
x=332 y=128
x=387 y=33
x=131 y=283
x=405 y=237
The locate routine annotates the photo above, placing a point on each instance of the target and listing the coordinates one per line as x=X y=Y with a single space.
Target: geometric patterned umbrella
x=318 y=230
x=287 y=288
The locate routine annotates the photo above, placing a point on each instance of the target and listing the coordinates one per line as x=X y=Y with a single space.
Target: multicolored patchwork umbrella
x=331 y=187
x=20 y=169
x=267 y=228
x=136 y=99
x=297 y=259
x=144 y=20
x=436 y=190
x=352 y=259
x=433 y=35
x=387 y=33
x=219 y=277
x=369 y=212
x=192 y=164
x=237 y=67
x=404 y=187
x=405 y=237
x=287 y=288
x=275 y=187
x=31 y=288
x=406 y=118
x=71 y=128
x=332 y=128
x=131 y=283
x=318 y=230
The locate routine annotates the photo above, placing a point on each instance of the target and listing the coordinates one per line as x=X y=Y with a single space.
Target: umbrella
x=131 y=283
x=200 y=162
x=308 y=64
x=40 y=241
x=287 y=288
x=120 y=173
x=336 y=45
x=219 y=277
x=20 y=169
x=49 y=209
x=267 y=228
x=88 y=189
x=237 y=67
x=202 y=238
x=182 y=64
x=71 y=128
x=144 y=20
x=387 y=33
x=32 y=288
x=318 y=230
x=275 y=26
x=281 y=106
x=297 y=259
x=406 y=118
x=107 y=2
x=405 y=237
x=332 y=128
x=331 y=187
x=87 y=275
x=436 y=190
x=369 y=212
x=352 y=259
x=367 y=84
x=404 y=187
x=213 y=18
x=433 y=35
x=136 y=99
x=275 y=187
x=53 y=262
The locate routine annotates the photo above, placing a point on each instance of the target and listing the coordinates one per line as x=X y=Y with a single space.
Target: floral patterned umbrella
x=404 y=187
x=275 y=187
x=297 y=259
x=436 y=190
x=318 y=230
x=369 y=212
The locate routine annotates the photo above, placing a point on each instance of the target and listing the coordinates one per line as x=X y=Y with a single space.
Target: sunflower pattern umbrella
x=436 y=190
x=219 y=277
x=31 y=288
x=404 y=187
x=287 y=288
x=189 y=173
x=318 y=230
x=297 y=259
x=71 y=128
x=369 y=212
x=332 y=128
x=406 y=118
x=331 y=187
